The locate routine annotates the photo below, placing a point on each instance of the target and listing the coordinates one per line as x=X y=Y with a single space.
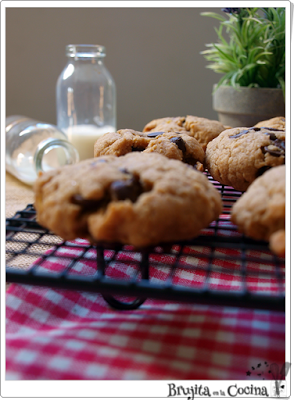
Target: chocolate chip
x=254 y=128
x=179 y=142
x=272 y=129
x=239 y=134
x=262 y=170
x=138 y=148
x=271 y=135
x=280 y=143
x=280 y=151
x=190 y=161
x=125 y=189
x=119 y=190
x=124 y=171
x=272 y=152
x=154 y=134
x=88 y=204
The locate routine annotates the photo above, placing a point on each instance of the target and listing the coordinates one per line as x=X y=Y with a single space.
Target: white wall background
x=153 y=55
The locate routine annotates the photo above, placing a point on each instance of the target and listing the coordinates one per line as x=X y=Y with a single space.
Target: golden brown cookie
x=120 y=143
x=260 y=212
x=202 y=129
x=239 y=155
x=170 y=144
x=167 y=124
x=277 y=123
x=139 y=199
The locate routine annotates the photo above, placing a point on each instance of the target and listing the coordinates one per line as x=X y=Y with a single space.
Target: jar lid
x=85 y=50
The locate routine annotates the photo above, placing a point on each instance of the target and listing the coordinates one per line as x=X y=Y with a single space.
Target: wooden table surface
x=17 y=195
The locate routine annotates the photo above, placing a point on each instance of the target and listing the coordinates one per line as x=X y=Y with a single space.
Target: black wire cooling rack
x=219 y=267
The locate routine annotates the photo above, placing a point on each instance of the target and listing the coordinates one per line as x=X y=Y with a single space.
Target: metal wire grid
x=220 y=267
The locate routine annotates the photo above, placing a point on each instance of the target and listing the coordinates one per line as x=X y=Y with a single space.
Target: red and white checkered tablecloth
x=69 y=335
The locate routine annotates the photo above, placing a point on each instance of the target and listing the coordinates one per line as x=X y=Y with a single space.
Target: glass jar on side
x=33 y=146
x=85 y=97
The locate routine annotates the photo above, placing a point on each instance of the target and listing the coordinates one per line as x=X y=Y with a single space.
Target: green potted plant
x=250 y=53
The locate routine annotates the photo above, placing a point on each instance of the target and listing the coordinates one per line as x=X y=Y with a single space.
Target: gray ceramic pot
x=247 y=106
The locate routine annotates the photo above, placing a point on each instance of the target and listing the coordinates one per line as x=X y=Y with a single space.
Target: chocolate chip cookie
x=202 y=129
x=260 y=212
x=139 y=199
x=173 y=145
x=239 y=155
x=167 y=124
x=277 y=123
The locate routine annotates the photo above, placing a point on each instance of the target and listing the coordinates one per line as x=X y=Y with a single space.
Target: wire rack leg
x=132 y=305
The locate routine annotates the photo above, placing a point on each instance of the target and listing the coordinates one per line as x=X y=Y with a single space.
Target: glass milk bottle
x=85 y=98
x=33 y=146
